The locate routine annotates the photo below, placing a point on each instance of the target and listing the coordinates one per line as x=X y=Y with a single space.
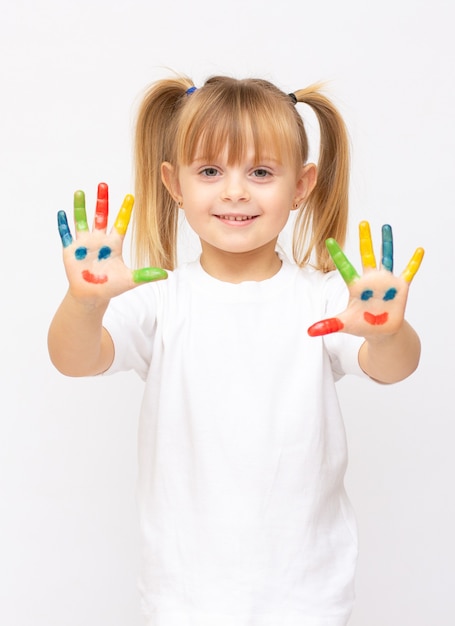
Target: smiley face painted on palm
x=103 y=253
x=97 y=254
x=378 y=296
x=377 y=319
x=82 y=252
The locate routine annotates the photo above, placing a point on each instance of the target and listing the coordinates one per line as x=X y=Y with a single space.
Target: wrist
x=87 y=306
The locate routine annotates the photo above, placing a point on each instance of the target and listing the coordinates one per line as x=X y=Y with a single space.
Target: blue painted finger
x=63 y=229
x=387 y=247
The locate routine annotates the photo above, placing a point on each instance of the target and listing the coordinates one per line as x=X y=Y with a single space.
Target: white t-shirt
x=242 y=449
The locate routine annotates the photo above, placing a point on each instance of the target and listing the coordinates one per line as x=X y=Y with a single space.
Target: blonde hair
x=172 y=125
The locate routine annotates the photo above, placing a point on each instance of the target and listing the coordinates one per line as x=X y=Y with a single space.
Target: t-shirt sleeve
x=131 y=322
x=342 y=347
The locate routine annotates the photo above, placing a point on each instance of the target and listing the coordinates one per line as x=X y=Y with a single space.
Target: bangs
x=239 y=116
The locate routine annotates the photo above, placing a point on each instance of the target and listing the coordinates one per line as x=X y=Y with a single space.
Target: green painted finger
x=149 y=274
x=80 y=215
x=343 y=265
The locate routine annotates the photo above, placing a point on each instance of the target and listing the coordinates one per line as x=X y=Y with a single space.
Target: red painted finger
x=325 y=327
x=102 y=207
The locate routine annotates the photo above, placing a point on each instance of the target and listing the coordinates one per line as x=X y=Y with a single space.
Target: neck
x=237 y=267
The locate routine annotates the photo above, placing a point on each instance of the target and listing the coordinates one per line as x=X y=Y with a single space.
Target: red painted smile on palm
x=93 y=278
x=376 y=320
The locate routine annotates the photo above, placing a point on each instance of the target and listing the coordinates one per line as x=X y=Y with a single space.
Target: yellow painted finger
x=412 y=267
x=366 y=246
x=123 y=217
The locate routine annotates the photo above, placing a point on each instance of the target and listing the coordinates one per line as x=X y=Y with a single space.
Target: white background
x=71 y=77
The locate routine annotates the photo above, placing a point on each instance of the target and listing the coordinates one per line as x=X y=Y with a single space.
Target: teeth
x=236 y=218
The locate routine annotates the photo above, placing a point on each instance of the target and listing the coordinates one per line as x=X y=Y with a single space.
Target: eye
x=390 y=294
x=209 y=171
x=80 y=253
x=261 y=173
x=366 y=295
x=104 y=253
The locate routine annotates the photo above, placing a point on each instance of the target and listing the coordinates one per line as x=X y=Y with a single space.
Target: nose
x=235 y=188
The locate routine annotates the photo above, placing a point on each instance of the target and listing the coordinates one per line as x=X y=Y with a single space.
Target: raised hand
x=93 y=261
x=377 y=299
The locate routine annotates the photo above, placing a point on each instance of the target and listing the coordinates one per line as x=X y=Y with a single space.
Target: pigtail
x=156 y=215
x=325 y=213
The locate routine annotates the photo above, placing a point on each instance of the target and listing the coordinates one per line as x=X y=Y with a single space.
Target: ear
x=170 y=180
x=306 y=182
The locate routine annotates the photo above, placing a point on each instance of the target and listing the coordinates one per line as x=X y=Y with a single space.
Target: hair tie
x=190 y=90
x=293 y=97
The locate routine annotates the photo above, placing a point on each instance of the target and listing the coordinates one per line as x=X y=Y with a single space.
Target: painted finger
x=80 y=215
x=63 y=229
x=124 y=215
x=148 y=274
x=387 y=247
x=102 y=207
x=325 y=327
x=412 y=267
x=344 y=266
x=366 y=246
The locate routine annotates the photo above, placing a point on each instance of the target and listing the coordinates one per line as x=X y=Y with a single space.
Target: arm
x=78 y=343
x=377 y=302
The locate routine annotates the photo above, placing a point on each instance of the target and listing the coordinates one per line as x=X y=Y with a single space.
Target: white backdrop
x=71 y=78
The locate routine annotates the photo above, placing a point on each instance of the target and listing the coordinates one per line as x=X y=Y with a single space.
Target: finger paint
x=344 y=266
x=390 y=294
x=80 y=215
x=148 y=274
x=104 y=253
x=93 y=278
x=63 y=229
x=412 y=267
x=325 y=327
x=102 y=207
x=387 y=247
x=124 y=214
x=81 y=253
x=375 y=320
x=366 y=246
x=366 y=295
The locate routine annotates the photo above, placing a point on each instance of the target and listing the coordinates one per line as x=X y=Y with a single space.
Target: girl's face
x=238 y=209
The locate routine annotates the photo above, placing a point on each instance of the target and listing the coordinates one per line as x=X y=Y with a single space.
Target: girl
x=242 y=451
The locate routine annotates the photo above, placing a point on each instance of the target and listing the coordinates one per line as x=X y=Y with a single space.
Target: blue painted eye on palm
x=93 y=261
x=377 y=299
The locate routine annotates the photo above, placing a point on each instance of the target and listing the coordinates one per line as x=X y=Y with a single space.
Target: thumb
x=326 y=327
x=148 y=274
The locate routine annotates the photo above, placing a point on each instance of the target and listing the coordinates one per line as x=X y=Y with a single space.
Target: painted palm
x=93 y=260
x=377 y=299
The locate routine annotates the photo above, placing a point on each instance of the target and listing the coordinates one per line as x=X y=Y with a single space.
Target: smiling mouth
x=93 y=278
x=376 y=320
x=236 y=218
